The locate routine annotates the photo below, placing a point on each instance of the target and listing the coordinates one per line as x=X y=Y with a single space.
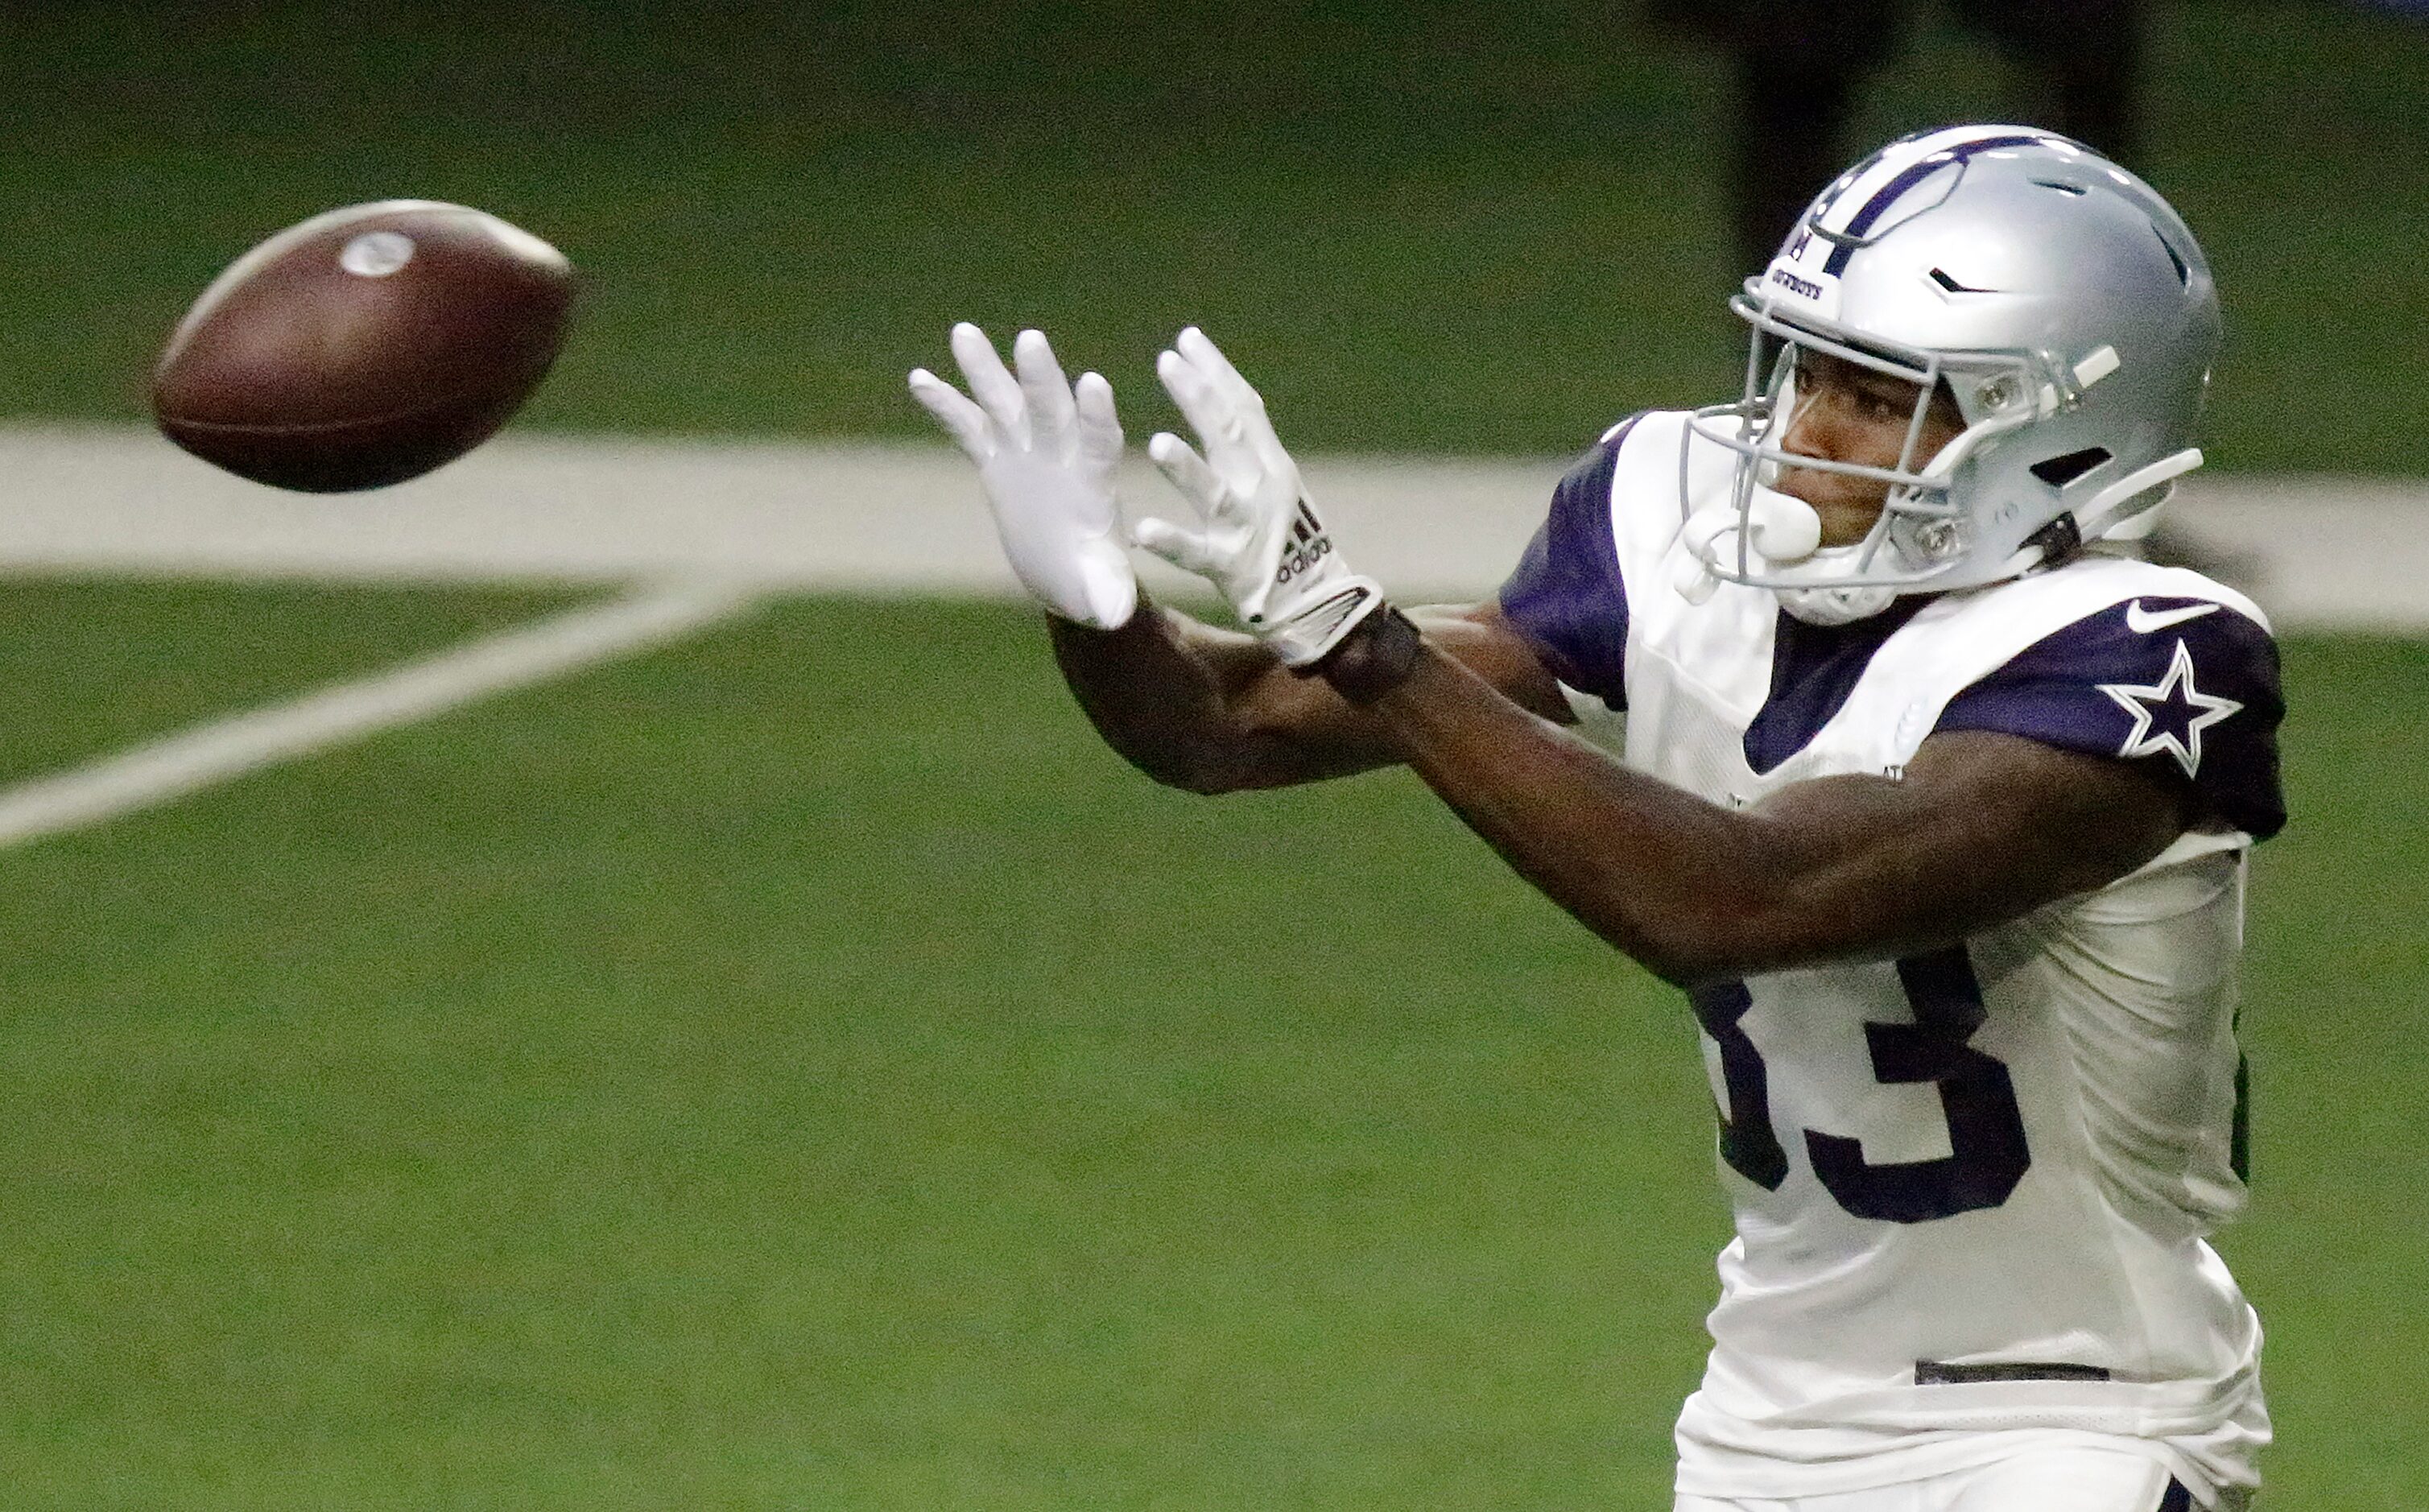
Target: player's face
x=1848 y=413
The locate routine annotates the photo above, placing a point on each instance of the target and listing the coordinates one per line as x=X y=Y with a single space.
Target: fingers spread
x=1100 y=430
x=1051 y=416
x=1179 y=462
x=991 y=384
x=1184 y=549
x=1250 y=426
x=966 y=422
x=1216 y=421
x=1204 y=353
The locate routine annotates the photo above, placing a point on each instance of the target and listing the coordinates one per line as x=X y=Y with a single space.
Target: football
x=365 y=346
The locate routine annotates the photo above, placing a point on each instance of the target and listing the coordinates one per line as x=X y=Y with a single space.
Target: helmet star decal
x=2170 y=716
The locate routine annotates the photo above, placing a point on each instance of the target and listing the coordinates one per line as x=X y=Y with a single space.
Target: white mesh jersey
x=1971 y=1187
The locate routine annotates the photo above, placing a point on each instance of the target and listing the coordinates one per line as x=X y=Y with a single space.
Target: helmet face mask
x=1922 y=526
x=2054 y=298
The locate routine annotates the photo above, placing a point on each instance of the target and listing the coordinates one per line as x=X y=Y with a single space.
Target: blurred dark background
x=1422 y=226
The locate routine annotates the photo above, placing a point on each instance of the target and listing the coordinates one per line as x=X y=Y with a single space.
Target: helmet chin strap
x=2124 y=511
x=1835 y=606
x=2134 y=495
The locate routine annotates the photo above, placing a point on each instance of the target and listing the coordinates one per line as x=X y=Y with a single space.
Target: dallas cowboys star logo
x=2171 y=716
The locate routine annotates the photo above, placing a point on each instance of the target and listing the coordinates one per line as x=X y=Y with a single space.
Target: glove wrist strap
x=1372 y=660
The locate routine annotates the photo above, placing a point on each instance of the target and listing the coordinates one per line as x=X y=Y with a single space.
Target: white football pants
x=2056 y=1479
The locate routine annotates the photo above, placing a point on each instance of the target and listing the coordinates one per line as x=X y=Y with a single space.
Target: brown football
x=365 y=346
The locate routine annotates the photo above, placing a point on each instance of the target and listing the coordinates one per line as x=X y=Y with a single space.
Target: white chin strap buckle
x=1779 y=531
x=1835 y=606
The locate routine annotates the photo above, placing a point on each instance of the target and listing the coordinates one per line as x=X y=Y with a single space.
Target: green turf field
x=802 y=1069
x=1421 y=227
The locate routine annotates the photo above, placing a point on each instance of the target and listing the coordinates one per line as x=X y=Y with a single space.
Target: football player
x=1842 y=707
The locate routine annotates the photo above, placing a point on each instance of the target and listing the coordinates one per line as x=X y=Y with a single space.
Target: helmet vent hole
x=2058 y=472
x=2076 y=190
x=1942 y=277
x=2184 y=275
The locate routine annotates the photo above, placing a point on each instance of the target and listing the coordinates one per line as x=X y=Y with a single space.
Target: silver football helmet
x=2063 y=303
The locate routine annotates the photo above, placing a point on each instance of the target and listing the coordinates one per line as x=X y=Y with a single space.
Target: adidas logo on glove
x=1308 y=545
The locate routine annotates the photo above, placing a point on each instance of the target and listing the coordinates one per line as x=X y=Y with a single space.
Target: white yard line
x=750 y=519
x=2319 y=552
x=218 y=750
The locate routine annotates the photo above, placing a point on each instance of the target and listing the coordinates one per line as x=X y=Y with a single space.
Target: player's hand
x=1045 y=452
x=1259 y=539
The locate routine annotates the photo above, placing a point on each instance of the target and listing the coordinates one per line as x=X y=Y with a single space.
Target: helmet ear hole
x=2058 y=472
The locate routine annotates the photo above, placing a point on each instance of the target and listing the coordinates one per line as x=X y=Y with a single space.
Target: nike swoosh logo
x=2142 y=622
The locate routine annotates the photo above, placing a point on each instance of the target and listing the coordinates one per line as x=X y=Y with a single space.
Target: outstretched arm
x=1191 y=706
x=1982 y=828
x=1213 y=710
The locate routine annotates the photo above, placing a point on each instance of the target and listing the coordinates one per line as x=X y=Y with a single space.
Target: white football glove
x=1046 y=453
x=1261 y=543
